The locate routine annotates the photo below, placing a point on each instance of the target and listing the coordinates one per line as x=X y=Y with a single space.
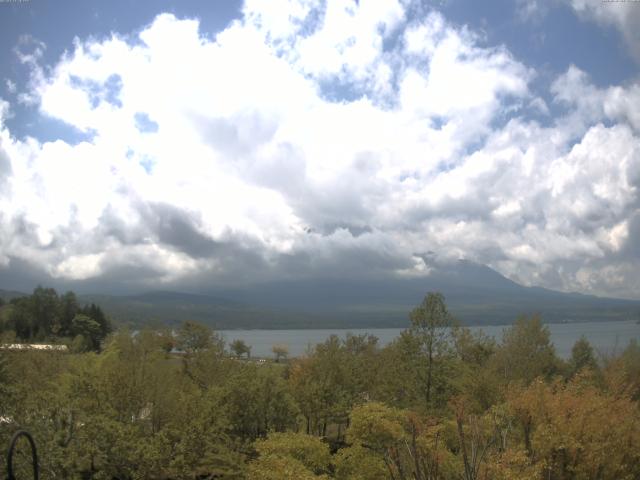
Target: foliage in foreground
x=437 y=403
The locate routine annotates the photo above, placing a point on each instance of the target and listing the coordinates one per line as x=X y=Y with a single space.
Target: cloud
x=532 y=10
x=624 y=16
x=11 y=86
x=340 y=140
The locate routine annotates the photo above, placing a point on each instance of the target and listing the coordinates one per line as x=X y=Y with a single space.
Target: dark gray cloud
x=20 y=275
x=177 y=228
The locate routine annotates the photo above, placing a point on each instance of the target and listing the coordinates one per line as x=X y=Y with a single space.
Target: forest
x=437 y=403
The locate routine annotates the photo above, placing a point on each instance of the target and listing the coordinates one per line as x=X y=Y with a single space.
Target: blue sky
x=175 y=143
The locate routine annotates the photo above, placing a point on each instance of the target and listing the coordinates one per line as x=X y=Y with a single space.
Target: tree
x=95 y=312
x=407 y=445
x=473 y=348
x=257 y=400
x=290 y=456
x=361 y=365
x=88 y=331
x=582 y=356
x=68 y=310
x=166 y=339
x=239 y=348
x=280 y=350
x=35 y=316
x=431 y=324
x=473 y=377
x=44 y=315
x=45 y=310
x=576 y=431
x=194 y=337
x=312 y=452
x=359 y=463
x=325 y=386
x=203 y=360
x=20 y=318
x=400 y=375
x=622 y=373
x=5 y=381
x=272 y=467
x=526 y=352
x=198 y=444
x=474 y=437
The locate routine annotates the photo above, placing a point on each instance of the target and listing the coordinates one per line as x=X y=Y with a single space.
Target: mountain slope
x=474 y=293
x=172 y=308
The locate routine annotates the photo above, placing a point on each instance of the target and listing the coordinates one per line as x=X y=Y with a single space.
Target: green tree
x=68 y=310
x=431 y=325
x=257 y=401
x=95 y=312
x=275 y=467
x=582 y=356
x=240 y=348
x=45 y=311
x=473 y=348
x=203 y=360
x=400 y=372
x=194 y=337
x=331 y=379
x=167 y=339
x=359 y=463
x=310 y=451
x=377 y=426
x=526 y=352
x=87 y=333
x=5 y=381
x=21 y=319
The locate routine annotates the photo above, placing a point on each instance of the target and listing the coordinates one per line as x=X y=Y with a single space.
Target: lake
x=603 y=336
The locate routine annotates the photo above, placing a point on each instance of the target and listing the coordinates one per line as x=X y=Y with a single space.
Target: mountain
x=7 y=295
x=172 y=308
x=475 y=294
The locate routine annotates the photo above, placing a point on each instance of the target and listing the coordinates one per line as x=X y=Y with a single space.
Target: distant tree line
x=46 y=316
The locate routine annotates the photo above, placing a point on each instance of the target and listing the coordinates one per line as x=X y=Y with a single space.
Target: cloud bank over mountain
x=337 y=140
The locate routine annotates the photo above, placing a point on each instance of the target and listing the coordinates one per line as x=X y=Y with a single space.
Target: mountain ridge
x=475 y=295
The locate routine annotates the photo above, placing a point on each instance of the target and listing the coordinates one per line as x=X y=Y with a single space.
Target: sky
x=196 y=145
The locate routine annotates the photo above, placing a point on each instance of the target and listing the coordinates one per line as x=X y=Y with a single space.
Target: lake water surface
x=603 y=336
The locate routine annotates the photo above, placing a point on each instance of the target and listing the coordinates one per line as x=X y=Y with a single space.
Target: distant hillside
x=7 y=295
x=172 y=308
x=474 y=293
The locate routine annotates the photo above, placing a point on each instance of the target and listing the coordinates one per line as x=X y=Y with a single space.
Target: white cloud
x=255 y=169
x=5 y=111
x=528 y=10
x=29 y=52
x=11 y=86
x=624 y=16
x=591 y=104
